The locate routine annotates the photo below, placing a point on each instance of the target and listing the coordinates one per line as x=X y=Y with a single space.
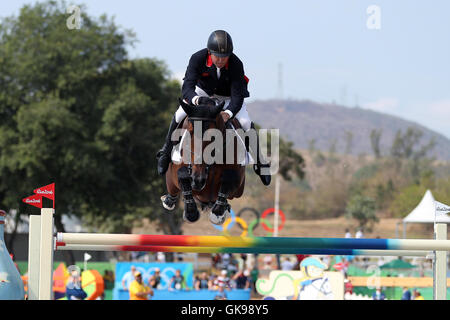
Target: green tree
x=406 y=199
x=410 y=153
x=75 y=110
x=408 y=146
x=375 y=136
x=362 y=208
x=348 y=142
x=291 y=163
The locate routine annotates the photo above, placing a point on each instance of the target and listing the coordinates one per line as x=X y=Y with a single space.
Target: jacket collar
x=209 y=62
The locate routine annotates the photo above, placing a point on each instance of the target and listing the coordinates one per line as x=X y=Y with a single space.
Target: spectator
x=254 y=277
x=128 y=278
x=211 y=281
x=222 y=280
x=250 y=261
x=268 y=262
x=348 y=286
x=244 y=258
x=406 y=295
x=160 y=257
x=179 y=256
x=233 y=266
x=177 y=282
x=378 y=294
x=417 y=295
x=226 y=260
x=216 y=260
x=347 y=233
x=287 y=264
x=242 y=279
x=138 y=290
x=155 y=279
x=300 y=258
x=108 y=279
x=221 y=295
x=202 y=282
x=74 y=291
x=359 y=234
x=134 y=255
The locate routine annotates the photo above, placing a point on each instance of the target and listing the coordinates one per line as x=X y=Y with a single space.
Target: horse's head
x=199 y=119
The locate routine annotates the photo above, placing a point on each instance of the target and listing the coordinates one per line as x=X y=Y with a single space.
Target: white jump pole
x=34 y=249
x=40 y=256
x=368 y=253
x=440 y=265
x=46 y=253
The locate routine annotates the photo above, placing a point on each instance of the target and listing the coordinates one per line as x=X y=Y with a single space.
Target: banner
x=167 y=271
x=35 y=200
x=47 y=191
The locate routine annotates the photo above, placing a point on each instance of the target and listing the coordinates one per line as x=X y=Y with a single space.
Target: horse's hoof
x=191 y=217
x=169 y=206
x=219 y=219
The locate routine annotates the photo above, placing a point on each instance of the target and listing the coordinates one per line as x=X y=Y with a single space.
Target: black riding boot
x=164 y=154
x=265 y=179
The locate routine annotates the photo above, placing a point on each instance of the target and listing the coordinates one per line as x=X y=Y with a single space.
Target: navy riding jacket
x=202 y=72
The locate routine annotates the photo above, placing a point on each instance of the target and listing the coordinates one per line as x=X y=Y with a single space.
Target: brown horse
x=209 y=184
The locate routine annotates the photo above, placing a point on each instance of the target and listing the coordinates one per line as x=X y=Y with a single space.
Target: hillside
x=328 y=124
x=326 y=228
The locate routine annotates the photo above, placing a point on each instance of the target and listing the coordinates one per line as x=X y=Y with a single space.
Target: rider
x=214 y=72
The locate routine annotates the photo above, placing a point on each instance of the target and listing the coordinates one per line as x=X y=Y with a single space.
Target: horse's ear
x=186 y=107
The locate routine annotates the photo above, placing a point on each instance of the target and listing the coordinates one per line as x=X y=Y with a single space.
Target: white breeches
x=242 y=115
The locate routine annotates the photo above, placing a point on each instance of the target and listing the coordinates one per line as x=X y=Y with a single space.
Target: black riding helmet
x=220 y=43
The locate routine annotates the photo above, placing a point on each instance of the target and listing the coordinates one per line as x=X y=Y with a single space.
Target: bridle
x=208 y=166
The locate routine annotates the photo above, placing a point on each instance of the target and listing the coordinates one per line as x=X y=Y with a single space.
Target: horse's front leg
x=170 y=199
x=221 y=209
x=190 y=213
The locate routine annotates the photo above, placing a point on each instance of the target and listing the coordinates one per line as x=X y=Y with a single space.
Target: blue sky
x=326 y=50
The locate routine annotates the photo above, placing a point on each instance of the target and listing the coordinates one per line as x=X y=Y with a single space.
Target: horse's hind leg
x=221 y=209
x=190 y=213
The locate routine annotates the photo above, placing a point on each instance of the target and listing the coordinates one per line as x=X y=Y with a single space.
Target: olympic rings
x=249 y=228
x=252 y=226
x=241 y=222
x=283 y=219
x=255 y=212
x=233 y=218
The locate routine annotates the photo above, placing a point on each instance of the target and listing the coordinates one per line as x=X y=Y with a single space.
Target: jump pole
x=47 y=244
x=255 y=242
x=147 y=248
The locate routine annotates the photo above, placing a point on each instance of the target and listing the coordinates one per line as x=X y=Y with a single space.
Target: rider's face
x=220 y=62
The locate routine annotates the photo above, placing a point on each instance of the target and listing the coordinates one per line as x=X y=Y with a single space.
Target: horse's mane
x=206 y=112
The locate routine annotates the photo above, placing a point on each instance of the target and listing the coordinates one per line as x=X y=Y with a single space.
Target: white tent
x=427 y=211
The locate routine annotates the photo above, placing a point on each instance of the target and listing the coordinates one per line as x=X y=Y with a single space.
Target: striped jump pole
x=42 y=244
x=346 y=252
x=255 y=242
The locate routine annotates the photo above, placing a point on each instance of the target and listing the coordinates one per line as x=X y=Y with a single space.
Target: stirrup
x=257 y=167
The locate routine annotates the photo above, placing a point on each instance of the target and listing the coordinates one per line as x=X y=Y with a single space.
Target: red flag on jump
x=46 y=191
x=34 y=200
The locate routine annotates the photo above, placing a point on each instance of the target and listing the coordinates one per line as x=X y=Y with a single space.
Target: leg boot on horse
x=190 y=213
x=221 y=209
x=169 y=202
x=164 y=154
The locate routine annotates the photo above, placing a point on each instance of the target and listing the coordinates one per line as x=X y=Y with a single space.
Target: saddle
x=232 y=124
